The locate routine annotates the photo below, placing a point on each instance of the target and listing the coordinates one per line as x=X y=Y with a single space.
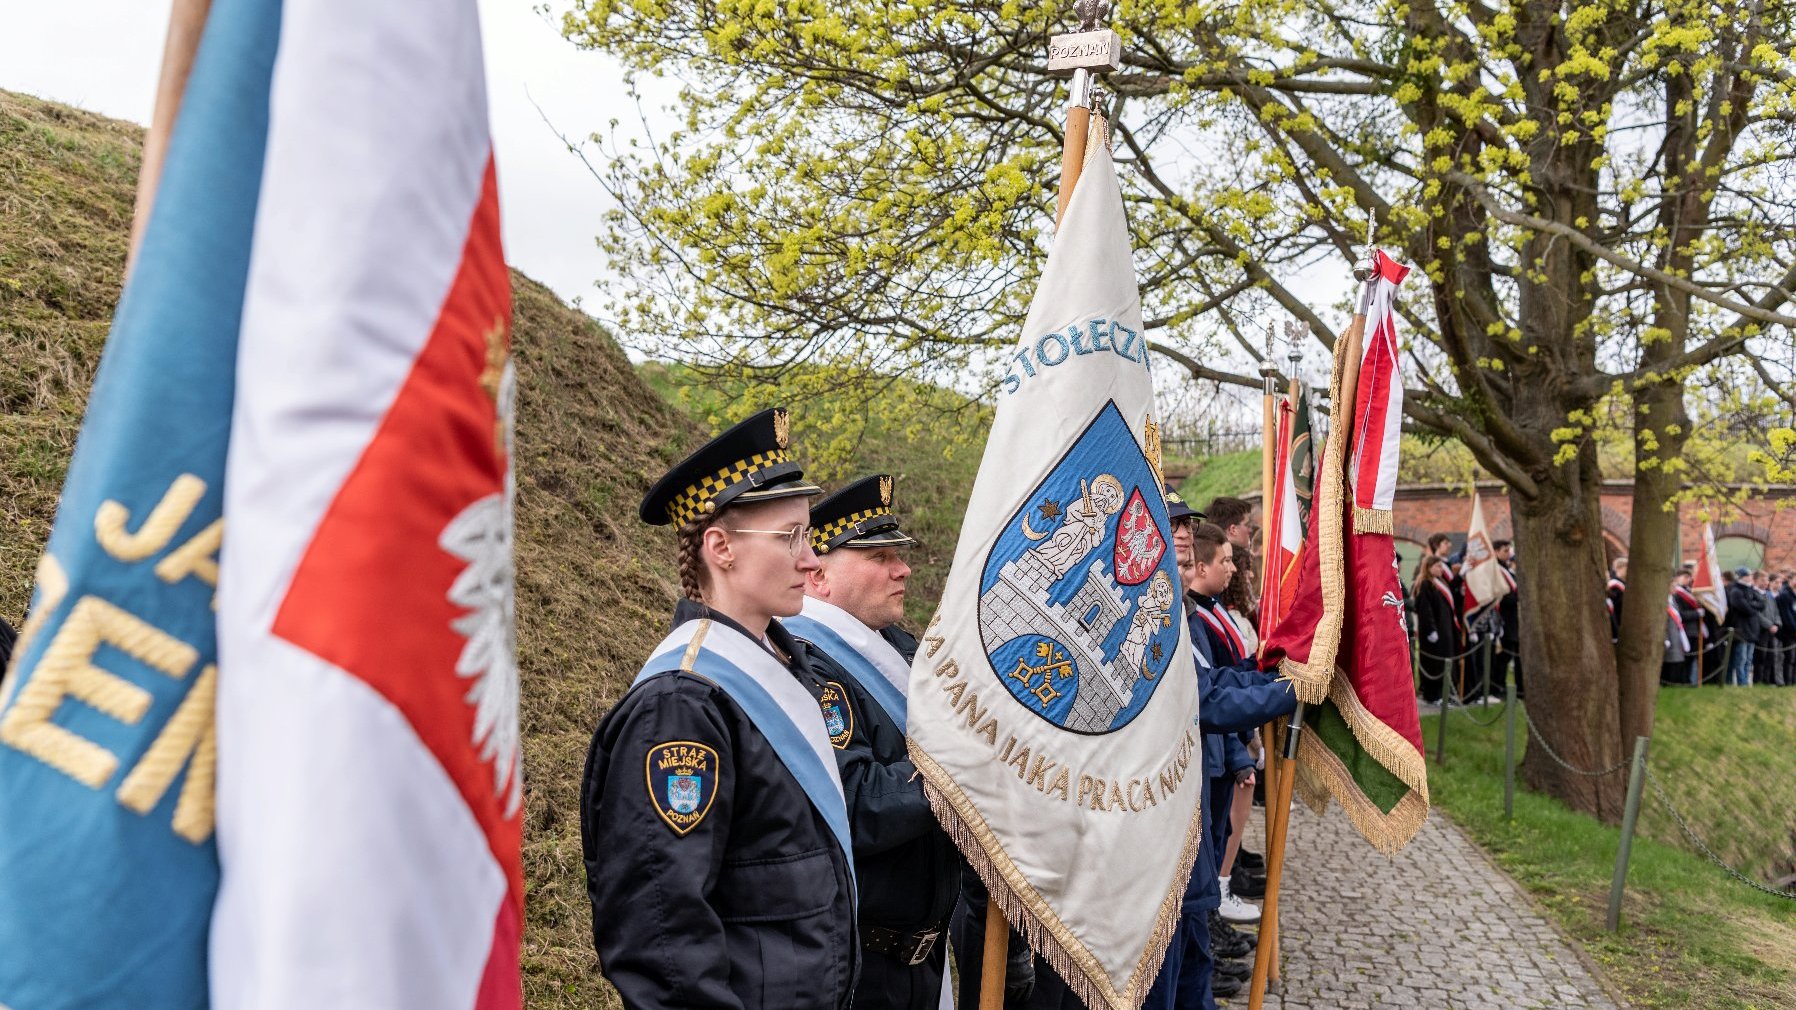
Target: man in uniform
x=908 y=868
x=712 y=822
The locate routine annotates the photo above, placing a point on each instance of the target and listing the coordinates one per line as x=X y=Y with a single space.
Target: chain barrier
x=1696 y=840
x=1425 y=654
x=1721 y=642
x=1534 y=732
x=1492 y=721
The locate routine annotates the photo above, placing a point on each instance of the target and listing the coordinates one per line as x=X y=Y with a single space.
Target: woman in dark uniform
x=713 y=827
x=1439 y=631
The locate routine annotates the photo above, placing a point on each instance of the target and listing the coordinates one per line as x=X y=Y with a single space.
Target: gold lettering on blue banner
x=190 y=733
x=67 y=671
x=157 y=531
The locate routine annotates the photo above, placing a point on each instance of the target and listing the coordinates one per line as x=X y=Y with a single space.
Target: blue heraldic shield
x=683 y=793
x=1077 y=600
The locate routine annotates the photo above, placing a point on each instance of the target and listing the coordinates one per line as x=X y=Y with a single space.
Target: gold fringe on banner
x=1310 y=679
x=1321 y=774
x=1373 y=521
x=1025 y=909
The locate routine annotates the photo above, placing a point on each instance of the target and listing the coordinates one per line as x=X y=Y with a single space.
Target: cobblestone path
x=1436 y=927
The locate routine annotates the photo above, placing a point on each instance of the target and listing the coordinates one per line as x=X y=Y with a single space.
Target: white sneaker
x=1234 y=909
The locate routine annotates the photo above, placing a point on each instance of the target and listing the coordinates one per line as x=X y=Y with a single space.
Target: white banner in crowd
x=1483 y=574
x=1053 y=703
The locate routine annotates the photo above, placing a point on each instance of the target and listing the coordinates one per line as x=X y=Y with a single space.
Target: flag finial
x=1362 y=270
x=1294 y=331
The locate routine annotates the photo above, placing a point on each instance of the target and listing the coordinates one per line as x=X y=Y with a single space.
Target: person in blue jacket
x=1232 y=698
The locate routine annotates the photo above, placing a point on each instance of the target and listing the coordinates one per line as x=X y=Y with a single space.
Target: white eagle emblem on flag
x=482 y=536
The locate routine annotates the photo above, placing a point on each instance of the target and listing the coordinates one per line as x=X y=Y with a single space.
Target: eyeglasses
x=796 y=537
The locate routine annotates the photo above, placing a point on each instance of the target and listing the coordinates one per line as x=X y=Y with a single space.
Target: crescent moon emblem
x=1029 y=531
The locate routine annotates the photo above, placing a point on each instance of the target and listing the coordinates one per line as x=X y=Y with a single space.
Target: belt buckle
x=921 y=946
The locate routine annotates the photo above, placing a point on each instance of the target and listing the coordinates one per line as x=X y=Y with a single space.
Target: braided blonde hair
x=690 y=536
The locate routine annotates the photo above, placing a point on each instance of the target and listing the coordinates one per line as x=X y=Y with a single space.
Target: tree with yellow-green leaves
x=1600 y=196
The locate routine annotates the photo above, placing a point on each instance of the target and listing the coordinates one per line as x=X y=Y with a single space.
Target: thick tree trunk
x=1567 y=661
x=1652 y=544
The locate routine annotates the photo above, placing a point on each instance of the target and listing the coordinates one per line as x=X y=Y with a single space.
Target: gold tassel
x=1374 y=521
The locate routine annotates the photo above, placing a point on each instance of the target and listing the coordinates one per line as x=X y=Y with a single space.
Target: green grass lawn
x=1231 y=473
x=1691 y=936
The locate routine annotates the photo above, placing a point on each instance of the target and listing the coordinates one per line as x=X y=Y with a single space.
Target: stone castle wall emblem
x=1077 y=601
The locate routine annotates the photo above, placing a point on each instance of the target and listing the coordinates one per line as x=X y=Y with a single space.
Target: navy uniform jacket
x=908 y=868
x=752 y=905
x=1231 y=699
x=1225 y=753
x=1509 y=607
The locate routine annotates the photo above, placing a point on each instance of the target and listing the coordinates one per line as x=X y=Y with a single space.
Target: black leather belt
x=910 y=948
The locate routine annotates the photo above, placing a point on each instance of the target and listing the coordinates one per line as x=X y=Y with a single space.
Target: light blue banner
x=107 y=862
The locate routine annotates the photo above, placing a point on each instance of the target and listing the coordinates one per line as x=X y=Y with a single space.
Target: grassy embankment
x=1691 y=937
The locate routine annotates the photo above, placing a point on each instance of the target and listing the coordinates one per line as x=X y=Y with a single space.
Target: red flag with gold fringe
x=1343 y=644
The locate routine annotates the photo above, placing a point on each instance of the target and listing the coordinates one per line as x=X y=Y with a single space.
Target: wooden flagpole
x=1276 y=767
x=1072 y=155
x=186 y=22
x=1353 y=348
x=1270 y=520
x=992 y=959
x=1089 y=51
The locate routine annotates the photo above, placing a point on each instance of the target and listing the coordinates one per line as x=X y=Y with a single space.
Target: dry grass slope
x=594 y=592
x=594 y=586
x=67 y=182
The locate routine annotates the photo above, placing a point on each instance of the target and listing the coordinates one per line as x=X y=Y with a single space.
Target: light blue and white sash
x=871 y=660
x=779 y=706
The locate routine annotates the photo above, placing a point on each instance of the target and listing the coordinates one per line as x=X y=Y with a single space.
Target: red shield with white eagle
x=1139 y=543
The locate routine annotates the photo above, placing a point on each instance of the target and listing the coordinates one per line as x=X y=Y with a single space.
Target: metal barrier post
x=1440 y=743
x=1509 y=750
x=1727 y=659
x=1484 y=694
x=1630 y=814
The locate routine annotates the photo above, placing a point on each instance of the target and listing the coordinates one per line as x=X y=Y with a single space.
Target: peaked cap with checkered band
x=750 y=462
x=859 y=515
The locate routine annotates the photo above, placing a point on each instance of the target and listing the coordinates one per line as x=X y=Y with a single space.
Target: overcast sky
x=104 y=55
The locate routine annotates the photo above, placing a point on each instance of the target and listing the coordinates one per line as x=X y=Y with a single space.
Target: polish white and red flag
x=1378 y=412
x=368 y=767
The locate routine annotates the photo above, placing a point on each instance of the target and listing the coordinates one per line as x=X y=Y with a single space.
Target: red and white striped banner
x=368 y=773
x=1378 y=412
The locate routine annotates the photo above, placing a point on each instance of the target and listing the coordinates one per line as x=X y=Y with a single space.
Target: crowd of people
x=1461 y=648
x=1472 y=650
x=732 y=879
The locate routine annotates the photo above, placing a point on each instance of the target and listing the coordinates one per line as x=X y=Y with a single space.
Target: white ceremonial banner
x=1483 y=574
x=1053 y=702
